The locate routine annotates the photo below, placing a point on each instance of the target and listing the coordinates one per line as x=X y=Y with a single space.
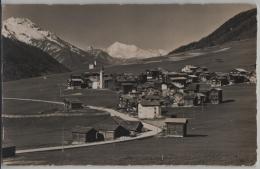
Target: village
x=147 y=96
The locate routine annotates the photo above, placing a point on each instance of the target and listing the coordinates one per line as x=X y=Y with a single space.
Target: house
x=205 y=89
x=128 y=102
x=238 y=78
x=200 y=99
x=190 y=100
x=8 y=150
x=178 y=99
x=127 y=87
x=219 y=79
x=108 y=83
x=110 y=129
x=200 y=70
x=204 y=76
x=216 y=96
x=192 y=88
x=82 y=134
x=189 y=69
x=175 y=88
x=91 y=66
x=149 y=109
x=95 y=83
x=252 y=77
x=72 y=104
x=180 y=80
x=75 y=82
x=153 y=74
x=176 y=127
x=239 y=71
x=192 y=79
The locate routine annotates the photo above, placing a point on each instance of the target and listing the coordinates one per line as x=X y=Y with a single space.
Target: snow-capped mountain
x=24 y=30
x=125 y=51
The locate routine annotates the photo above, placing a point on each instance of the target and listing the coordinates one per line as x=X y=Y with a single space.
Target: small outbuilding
x=81 y=134
x=216 y=96
x=73 y=104
x=8 y=150
x=176 y=127
x=110 y=129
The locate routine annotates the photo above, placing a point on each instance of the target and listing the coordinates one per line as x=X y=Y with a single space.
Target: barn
x=216 y=96
x=176 y=127
x=8 y=150
x=72 y=104
x=110 y=129
x=82 y=134
x=134 y=127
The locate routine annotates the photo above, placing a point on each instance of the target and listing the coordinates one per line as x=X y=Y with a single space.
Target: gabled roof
x=148 y=103
x=108 y=124
x=72 y=100
x=178 y=78
x=152 y=97
x=218 y=89
x=240 y=70
x=176 y=120
x=82 y=129
x=129 y=125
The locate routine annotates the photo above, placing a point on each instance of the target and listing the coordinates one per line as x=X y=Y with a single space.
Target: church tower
x=101 y=78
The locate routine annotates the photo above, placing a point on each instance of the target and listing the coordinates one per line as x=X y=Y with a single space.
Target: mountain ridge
x=24 y=30
x=239 y=27
x=21 y=61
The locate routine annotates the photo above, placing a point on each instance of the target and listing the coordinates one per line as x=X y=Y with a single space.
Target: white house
x=149 y=109
x=91 y=66
x=95 y=84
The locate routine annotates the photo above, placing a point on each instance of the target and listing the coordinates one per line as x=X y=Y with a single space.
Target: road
x=153 y=130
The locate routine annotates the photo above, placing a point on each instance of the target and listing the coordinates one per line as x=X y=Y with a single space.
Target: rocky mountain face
x=24 y=61
x=124 y=51
x=24 y=30
x=239 y=27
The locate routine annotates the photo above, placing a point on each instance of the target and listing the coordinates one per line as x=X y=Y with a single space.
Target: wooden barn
x=176 y=127
x=72 y=104
x=110 y=129
x=81 y=134
x=134 y=127
x=216 y=96
x=8 y=150
x=127 y=87
x=189 y=100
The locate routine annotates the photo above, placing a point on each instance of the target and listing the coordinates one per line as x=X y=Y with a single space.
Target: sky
x=165 y=26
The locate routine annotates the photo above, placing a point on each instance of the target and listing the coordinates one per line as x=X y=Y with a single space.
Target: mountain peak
x=24 y=30
x=130 y=51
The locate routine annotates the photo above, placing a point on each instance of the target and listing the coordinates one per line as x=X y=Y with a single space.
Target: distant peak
x=18 y=20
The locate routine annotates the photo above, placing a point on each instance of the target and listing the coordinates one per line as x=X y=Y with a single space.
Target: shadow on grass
x=228 y=101
x=196 y=135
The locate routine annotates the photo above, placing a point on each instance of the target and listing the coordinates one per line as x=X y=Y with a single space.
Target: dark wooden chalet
x=176 y=127
x=81 y=134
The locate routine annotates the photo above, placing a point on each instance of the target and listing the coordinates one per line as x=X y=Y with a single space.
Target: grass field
x=219 y=135
x=222 y=134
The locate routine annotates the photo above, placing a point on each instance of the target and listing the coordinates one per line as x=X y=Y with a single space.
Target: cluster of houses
x=192 y=86
x=155 y=88
x=144 y=95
